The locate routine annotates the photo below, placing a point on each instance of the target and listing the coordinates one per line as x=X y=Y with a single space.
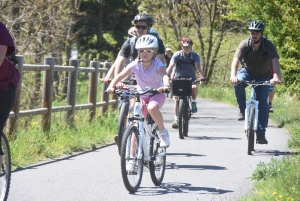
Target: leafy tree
x=282 y=19
x=203 y=20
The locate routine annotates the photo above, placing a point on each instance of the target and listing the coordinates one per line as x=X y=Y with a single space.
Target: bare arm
x=163 y=73
x=109 y=74
x=234 y=67
x=124 y=73
x=3 y=50
x=277 y=73
x=119 y=64
x=170 y=67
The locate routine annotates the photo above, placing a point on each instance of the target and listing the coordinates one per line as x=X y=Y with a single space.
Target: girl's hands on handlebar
x=110 y=90
x=163 y=89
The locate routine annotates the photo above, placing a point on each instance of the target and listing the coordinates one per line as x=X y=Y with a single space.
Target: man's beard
x=258 y=41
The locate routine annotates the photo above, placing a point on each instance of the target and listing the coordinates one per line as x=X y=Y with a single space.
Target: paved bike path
x=211 y=164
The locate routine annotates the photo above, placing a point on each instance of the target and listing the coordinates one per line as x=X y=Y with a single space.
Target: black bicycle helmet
x=144 y=18
x=257 y=25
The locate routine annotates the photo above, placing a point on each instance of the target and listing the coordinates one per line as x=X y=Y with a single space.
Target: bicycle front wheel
x=5 y=173
x=157 y=165
x=181 y=118
x=131 y=166
x=250 y=131
x=122 y=121
x=187 y=116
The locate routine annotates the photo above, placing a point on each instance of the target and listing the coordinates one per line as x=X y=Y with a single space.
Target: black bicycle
x=182 y=87
x=124 y=95
x=5 y=171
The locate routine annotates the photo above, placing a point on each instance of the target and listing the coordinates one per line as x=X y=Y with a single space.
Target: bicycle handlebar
x=255 y=83
x=126 y=92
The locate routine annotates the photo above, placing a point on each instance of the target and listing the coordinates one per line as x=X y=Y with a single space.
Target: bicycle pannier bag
x=182 y=87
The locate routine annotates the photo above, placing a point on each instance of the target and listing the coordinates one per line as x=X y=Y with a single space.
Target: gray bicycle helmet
x=131 y=32
x=147 y=41
x=257 y=25
x=144 y=18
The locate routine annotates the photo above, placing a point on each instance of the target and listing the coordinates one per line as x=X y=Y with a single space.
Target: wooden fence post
x=72 y=89
x=105 y=96
x=47 y=93
x=93 y=89
x=16 y=108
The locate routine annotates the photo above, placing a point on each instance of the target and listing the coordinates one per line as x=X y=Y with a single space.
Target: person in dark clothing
x=168 y=55
x=9 y=78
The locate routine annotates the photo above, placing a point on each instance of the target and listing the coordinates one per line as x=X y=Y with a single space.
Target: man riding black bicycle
x=187 y=65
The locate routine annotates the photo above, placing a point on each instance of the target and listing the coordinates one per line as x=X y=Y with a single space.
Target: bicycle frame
x=144 y=139
x=251 y=103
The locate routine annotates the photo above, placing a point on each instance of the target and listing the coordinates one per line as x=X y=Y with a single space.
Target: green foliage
x=274 y=168
x=282 y=19
x=278 y=180
x=31 y=145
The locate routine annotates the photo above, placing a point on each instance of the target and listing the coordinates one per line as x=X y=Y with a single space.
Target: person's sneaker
x=164 y=138
x=261 y=139
x=271 y=109
x=131 y=167
x=241 y=116
x=175 y=124
x=194 y=107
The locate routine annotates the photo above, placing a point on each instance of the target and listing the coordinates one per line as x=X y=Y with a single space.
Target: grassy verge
x=278 y=179
x=29 y=145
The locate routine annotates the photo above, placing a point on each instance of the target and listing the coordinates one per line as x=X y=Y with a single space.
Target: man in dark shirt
x=143 y=24
x=255 y=66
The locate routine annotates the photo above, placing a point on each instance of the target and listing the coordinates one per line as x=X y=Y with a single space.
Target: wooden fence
x=47 y=109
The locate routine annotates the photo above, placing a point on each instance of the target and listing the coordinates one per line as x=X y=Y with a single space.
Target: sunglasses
x=141 y=27
x=148 y=51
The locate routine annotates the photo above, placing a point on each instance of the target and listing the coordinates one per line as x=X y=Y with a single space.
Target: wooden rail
x=47 y=109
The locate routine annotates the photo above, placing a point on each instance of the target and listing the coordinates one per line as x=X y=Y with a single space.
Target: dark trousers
x=7 y=99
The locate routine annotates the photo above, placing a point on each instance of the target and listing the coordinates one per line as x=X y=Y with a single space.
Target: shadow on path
x=194 y=167
x=210 y=138
x=167 y=188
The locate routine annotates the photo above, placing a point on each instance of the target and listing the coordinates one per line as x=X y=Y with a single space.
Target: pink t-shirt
x=147 y=78
x=8 y=71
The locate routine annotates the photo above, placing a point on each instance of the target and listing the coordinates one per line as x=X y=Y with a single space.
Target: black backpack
x=179 y=62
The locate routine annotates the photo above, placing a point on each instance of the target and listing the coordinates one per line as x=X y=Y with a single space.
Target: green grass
x=29 y=145
x=278 y=179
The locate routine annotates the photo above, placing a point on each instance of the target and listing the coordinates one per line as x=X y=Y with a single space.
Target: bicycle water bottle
x=137 y=109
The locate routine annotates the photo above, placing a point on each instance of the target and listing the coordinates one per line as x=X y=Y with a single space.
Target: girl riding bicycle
x=149 y=72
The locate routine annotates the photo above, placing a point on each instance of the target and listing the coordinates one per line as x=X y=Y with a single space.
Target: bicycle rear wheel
x=181 y=116
x=5 y=172
x=122 y=121
x=129 y=151
x=250 y=131
x=157 y=165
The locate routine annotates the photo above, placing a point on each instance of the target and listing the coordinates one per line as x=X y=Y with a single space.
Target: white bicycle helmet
x=147 y=41
x=131 y=32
